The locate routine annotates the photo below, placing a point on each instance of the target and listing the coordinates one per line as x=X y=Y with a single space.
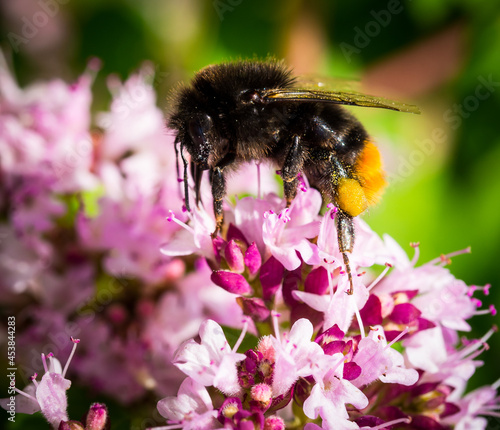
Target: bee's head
x=200 y=129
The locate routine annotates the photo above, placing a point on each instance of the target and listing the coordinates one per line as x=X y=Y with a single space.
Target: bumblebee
x=236 y=112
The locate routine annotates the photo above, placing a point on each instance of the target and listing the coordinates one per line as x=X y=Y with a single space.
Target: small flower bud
x=262 y=394
x=254 y=307
x=234 y=257
x=232 y=282
x=97 y=417
x=274 y=423
x=253 y=259
x=266 y=348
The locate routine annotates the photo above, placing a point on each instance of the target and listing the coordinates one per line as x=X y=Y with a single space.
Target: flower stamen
x=379 y=277
x=275 y=315
x=445 y=258
x=75 y=343
x=242 y=335
x=398 y=337
x=171 y=217
x=416 y=255
x=388 y=424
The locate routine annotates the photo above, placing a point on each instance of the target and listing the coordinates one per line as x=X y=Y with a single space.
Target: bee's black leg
x=218 y=182
x=218 y=192
x=345 y=235
x=186 y=184
x=197 y=175
x=293 y=164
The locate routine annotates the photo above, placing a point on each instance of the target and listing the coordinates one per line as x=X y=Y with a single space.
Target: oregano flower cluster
x=252 y=329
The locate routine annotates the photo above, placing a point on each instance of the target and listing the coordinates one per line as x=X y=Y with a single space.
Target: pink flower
x=249 y=218
x=368 y=250
x=338 y=308
x=428 y=350
x=193 y=238
x=441 y=297
x=48 y=395
x=482 y=401
x=331 y=393
x=296 y=355
x=44 y=133
x=192 y=408
x=211 y=362
x=134 y=123
x=379 y=361
x=285 y=233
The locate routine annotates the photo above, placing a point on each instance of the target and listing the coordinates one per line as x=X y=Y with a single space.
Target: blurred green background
x=443 y=55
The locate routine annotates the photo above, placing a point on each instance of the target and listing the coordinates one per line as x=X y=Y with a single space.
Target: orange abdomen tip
x=368 y=169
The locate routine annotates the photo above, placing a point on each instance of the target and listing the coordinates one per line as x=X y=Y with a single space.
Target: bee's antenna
x=186 y=185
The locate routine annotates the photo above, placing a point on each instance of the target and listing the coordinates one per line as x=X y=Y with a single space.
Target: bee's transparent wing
x=314 y=93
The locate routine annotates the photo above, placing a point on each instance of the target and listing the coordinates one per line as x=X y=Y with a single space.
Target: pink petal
x=51 y=395
x=271 y=277
x=404 y=313
x=317 y=281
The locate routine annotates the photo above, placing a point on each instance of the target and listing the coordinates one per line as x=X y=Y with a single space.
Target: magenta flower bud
x=71 y=425
x=261 y=394
x=232 y=282
x=218 y=244
x=97 y=417
x=255 y=308
x=404 y=313
x=317 y=281
x=253 y=259
x=234 y=257
x=271 y=276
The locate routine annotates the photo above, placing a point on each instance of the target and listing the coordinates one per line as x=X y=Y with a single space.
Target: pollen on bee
x=370 y=173
x=351 y=197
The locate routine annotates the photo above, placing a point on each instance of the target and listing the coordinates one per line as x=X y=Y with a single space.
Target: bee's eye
x=249 y=96
x=198 y=129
